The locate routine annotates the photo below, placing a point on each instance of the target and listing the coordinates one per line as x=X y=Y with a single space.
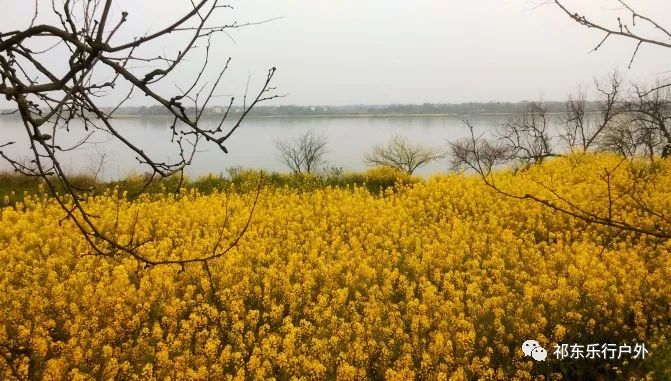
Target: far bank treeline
x=471 y=108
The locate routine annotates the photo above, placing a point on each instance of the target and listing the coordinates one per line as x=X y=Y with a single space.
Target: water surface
x=252 y=145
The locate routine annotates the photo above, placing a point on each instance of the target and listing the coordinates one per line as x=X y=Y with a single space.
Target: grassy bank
x=14 y=187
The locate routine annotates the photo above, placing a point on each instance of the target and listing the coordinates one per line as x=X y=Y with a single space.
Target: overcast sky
x=391 y=51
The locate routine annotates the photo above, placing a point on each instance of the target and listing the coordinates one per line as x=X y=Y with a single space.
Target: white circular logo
x=533 y=349
x=539 y=354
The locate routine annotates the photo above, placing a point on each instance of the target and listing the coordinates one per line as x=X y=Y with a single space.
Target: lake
x=253 y=144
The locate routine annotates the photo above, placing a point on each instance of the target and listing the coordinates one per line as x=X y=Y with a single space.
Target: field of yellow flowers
x=438 y=280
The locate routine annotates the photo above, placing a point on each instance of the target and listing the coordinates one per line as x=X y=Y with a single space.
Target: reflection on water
x=252 y=145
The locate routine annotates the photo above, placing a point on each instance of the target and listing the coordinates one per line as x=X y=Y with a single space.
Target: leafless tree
x=652 y=109
x=530 y=137
x=401 y=154
x=577 y=127
x=476 y=153
x=580 y=130
x=625 y=136
x=52 y=101
x=304 y=154
x=527 y=136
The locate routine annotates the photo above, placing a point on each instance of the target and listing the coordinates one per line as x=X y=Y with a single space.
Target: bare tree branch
x=52 y=105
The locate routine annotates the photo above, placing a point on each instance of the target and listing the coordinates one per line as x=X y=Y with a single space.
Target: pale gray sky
x=391 y=51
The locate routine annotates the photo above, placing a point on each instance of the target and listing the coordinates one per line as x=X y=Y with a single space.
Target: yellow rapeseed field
x=438 y=280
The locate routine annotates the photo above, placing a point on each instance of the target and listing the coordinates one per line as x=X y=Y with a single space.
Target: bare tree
x=304 y=154
x=401 y=154
x=580 y=130
x=527 y=136
x=476 y=153
x=652 y=110
x=576 y=127
x=628 y=136
x=53 y=102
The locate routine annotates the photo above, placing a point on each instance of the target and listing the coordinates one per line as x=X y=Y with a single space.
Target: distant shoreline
x=325 y=116
x=426 y=110
x=306 y=116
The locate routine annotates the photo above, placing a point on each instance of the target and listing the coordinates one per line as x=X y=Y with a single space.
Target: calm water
x=252 y=145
